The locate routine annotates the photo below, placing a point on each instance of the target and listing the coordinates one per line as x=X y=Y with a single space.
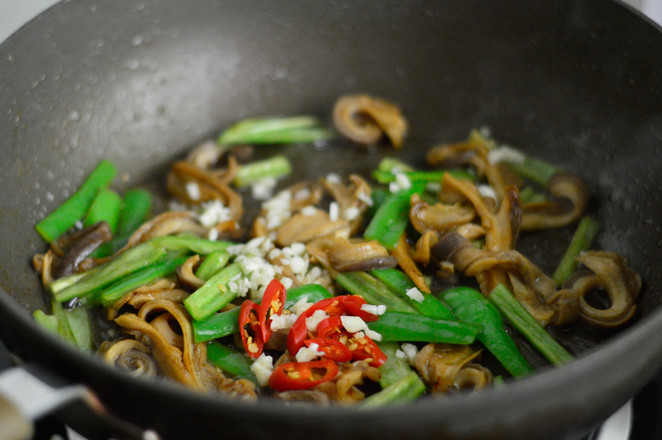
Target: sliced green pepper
x=471 y=306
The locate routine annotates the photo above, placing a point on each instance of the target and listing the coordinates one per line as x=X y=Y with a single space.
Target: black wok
x=138 y=82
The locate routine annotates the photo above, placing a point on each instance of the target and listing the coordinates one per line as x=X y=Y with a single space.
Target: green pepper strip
x=399 y=326
x=422 y=176
x=165 y=267
x=276 y=166
x=400 y=282
x=392 y=217
x=471 y=306
x=581 y=241
x=214 y=294
x=210 y=266
x=230 y=361
x=275 y=131
x=72 y=325
x=74 y=208
x=191 y=243
x=373 y=291
x=405 y=390
x=216 y=326
x=127 y=262
x=394 y=368
x=527 y=325
x=535 y=170
x=105 y=207
x=136 y=206
x=310 y=292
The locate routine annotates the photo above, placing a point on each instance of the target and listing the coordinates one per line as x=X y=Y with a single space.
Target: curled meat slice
x=502 y=225
x=340 y=254
x=186 y=275
x=168 y=223
x=439 y=217
x=131 y=356
x=209 y=186
x=343 y=388
x=348 y=255
x=305 y=227
x=569 y=198
x=611 y=272
x=363 y=119
x=443 y=367
x=534 y=289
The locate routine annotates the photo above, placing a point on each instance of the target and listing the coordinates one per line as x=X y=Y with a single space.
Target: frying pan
x=576 y=82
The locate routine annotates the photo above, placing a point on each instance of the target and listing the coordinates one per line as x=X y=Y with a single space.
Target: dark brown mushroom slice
x=364 y=119
x=358 y=255
x=78 y=246
x=569 y=198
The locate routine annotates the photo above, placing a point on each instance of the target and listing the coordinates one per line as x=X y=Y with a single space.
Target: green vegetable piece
x=213 y=263
x=111 y=294
x=399 y=326
x=190 y=243
x=392 y=217
x=276 y=166
x=527 y=325
x=394 y=368
x=471 y=306
x=535 y=170
x=74 y=208
x=422 y=176
x=392 y=165
x=105 y=207
x=136 y=206
x=294 y=129
x=214 y=294
x=581 y=241
x=373 y=291
x=216 y=326
x=311 y=292
x=405 y=390
x=101 y=276
x=400 y=282
x=230 y=361
x=49 y=322
x=74 y=325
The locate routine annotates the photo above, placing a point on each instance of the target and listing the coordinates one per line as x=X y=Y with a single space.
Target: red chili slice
x=365 y=348
x=333 y=349
x=330 y=327
x=302 y=375
x=336 y=306
x=273 y=303
x=249 y=328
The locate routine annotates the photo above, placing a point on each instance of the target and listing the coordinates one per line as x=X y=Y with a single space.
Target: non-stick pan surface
x=138 y=82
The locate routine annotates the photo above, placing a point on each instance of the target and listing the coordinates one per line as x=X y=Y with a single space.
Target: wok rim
x=622 y=345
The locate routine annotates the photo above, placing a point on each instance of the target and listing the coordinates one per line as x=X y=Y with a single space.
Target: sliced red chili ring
x=302 y=375
x=330 y=327
x=273 y=303
x=333 y=349
x=353 y=304
x=336 y=306
x=365 y=348
x=249 y=328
